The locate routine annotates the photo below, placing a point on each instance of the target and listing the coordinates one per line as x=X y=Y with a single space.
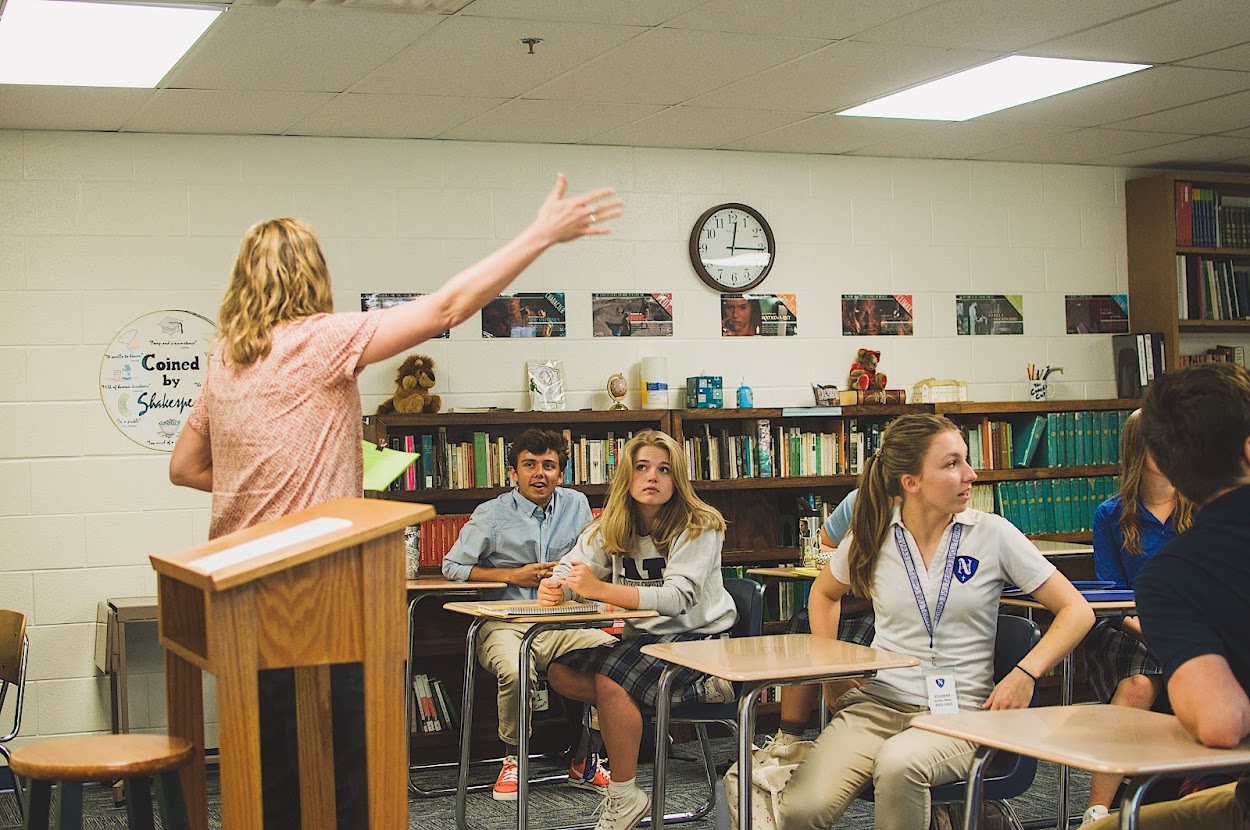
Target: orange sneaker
x=506 y=783
x=589 y=775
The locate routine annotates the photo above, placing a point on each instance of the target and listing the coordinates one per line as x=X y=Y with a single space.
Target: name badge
x=943 y=697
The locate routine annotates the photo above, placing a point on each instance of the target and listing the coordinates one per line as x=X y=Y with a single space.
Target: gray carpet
x=555 y=804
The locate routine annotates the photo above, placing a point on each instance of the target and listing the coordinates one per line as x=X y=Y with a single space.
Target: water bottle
x=745 y=399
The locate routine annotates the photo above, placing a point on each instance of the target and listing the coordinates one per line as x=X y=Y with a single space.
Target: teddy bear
x=412 y=388
x=864 y=374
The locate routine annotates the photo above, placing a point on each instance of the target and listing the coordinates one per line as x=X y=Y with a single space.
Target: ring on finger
x=593 y=219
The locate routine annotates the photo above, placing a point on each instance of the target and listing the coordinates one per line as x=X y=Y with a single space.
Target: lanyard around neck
x=917 y=590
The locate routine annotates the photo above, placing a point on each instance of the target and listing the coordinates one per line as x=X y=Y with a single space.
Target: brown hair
x=539 y=442
x=904 y=445
x=619 y=526
x=1133 y=455
x=279 y=275
x=1196 y=422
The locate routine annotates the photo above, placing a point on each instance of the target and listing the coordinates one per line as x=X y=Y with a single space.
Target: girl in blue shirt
x=1129 y=528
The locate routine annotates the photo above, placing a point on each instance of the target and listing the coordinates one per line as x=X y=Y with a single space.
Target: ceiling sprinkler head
x=531 y=42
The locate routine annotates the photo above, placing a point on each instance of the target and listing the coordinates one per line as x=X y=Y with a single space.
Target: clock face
x=732 y=248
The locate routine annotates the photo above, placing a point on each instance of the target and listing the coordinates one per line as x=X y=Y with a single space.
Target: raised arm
x=559 y=219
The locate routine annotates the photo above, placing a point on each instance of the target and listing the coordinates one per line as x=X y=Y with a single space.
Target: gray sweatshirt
x=685 y=588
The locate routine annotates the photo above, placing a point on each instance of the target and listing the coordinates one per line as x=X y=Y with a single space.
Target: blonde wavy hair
x=280 y=275
x=619 y=525
x=1133 y=455
x=904 y=445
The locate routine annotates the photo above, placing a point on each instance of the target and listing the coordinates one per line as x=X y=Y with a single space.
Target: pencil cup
x=1039 y=390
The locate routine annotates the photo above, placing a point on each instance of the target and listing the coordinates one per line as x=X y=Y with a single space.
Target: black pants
x=279 y=748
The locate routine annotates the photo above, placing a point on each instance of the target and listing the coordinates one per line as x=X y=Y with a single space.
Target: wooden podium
x=317 y=587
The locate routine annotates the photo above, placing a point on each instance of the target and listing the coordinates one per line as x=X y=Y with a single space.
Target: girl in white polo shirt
x=934 y=571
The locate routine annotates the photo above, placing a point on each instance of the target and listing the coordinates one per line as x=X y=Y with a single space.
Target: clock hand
x=733 y=242
x=731 y=248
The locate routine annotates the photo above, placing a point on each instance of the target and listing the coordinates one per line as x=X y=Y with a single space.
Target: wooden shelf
x=1214 y=326
x=1231 y=253
x=1023 y=407
x=778 y=483
x=760 y=556
x=476 y=494
x=1031 y=473
x=1083 y=537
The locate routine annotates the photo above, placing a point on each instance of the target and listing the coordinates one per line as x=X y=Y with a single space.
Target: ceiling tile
x=1082 y=146
x=1219 y=115
x=223 y=111
x=1236 y=58
x=309 y=50
x=1170 y=32
x=838 y=76
x=549 y=122
x=829 y=134
x=631 y=13
x=479 y=56
x=959 y=140
x=391 y=116
x=1239 y=133
x=696 y=127
x=668 y=66
x=833 y=19
x=999 y=25
x=1183 y=153
x=67 y=107
x=1141 y=93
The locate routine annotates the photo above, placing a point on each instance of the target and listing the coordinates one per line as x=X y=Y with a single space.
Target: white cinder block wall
x=97 y=229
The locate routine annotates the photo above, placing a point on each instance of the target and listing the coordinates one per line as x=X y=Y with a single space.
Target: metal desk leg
x=1065 y=699
x=120 y=682
x=1131 y=803
x=466 y=723
x=659 y=770
x=746 y=731
x=975 y=788
x=524 y=720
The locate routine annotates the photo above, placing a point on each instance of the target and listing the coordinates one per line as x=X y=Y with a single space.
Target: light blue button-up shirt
x=511 y=531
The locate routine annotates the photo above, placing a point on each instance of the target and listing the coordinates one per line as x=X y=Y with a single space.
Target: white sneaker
x=1093 y=814
x=623 y=811
x=716 y=690
x=781 y=745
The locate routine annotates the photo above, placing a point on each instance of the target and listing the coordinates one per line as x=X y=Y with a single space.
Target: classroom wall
x=97 y=229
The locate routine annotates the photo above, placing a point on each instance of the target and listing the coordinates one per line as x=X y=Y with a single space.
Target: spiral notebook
x=533 y=609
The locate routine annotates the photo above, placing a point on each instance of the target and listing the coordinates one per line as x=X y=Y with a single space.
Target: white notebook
x=533 y=609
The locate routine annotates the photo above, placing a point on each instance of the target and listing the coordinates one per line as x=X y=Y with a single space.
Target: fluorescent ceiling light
x=995 y=86
x=64 y=43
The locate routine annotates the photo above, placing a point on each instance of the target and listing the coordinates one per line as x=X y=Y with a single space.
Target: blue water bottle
x=745 y=399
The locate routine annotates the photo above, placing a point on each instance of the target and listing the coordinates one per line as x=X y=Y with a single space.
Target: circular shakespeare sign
x=152 y=372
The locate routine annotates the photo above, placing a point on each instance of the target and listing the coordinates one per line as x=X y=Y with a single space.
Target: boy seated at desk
x=518 y=538
x=1191 y=597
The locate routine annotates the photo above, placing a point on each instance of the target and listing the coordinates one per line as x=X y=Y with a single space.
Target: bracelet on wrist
x=1027 y=673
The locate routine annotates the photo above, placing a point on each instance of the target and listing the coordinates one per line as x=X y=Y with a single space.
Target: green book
x=1026 y=445
x=481 y=460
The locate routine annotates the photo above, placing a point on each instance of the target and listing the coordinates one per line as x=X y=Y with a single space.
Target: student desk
x=1066 y=680
x=756 y=662
x=421 y=589
x=537 y=625
x=1095 y=737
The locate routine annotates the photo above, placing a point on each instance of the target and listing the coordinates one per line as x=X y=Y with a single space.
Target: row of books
x=1137 y=360
x=1054 y=505
x=1211 y=289
x=765 y=451
x=433 y=539
x=431 y=707
x=1206 y=218
x=1219 y=354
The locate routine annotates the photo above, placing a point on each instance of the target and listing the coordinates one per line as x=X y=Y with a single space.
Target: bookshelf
x=1161 y=229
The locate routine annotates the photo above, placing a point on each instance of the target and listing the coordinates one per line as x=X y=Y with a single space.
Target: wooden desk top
x=783 y=572
x=432 y=584
x=470 y=608
x=1049 y=548
x=1099 y=607
x=777 y=657
x=1094 y=737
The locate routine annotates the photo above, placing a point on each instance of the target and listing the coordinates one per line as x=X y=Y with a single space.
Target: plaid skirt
x=637 y=673
x=858 y=629
x=1112 y=655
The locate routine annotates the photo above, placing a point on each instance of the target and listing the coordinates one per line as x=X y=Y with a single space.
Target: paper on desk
x=382 y=466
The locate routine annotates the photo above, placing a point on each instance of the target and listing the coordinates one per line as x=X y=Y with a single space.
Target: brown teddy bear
x=864 y=374
x=412 y=388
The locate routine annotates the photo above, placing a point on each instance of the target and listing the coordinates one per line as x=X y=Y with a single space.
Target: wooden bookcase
x=1152 y=250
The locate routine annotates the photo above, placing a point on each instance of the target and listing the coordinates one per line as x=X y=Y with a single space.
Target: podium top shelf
x=258 y=551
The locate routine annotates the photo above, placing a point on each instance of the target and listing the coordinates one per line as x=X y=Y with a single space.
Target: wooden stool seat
x=100 y=757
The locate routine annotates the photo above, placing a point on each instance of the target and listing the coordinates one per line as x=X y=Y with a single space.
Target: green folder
x=382 y=466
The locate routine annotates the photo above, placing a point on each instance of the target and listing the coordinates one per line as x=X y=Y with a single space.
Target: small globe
x=617 y=387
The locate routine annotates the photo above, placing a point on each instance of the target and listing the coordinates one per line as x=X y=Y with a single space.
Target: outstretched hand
x=564 y=219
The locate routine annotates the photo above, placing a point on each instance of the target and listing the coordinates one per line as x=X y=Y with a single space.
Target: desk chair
x=14 y=647
x=1008 y=774
x=748 y=597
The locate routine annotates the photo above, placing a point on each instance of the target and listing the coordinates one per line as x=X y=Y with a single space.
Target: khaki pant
x=868 y=741
x=1213 y=809
x=499 y=652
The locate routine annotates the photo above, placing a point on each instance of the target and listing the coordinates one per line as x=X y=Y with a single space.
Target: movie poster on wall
x=631 y=315
x=376 y=300
x=1096 y=313
x=989 y=314
x=872 y=314
x=762 y=315
x=525 y=315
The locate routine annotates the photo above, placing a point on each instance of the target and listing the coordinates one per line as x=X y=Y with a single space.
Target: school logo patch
x=940 y=681
x=965 y=567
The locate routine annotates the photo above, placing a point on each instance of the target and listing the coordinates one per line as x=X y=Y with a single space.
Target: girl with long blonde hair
x=657 y=545
x=934 y=570
x=1129 y=529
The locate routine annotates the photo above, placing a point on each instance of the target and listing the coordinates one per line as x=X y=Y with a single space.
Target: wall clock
x=732 y=247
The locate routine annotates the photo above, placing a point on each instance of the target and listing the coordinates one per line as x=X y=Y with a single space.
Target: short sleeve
x=839 y=562
x=197 y=418
x=1022 y=563
x=1174 y=633
x=839 y=522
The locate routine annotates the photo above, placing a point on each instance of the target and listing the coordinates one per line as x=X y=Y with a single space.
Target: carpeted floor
x=555 y=804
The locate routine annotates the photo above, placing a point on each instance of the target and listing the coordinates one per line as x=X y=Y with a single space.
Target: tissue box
x=704 y=392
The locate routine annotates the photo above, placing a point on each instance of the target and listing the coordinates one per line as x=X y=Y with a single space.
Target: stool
x=72 y=762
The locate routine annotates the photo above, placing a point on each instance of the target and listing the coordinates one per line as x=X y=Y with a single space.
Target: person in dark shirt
x=1191 y=595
